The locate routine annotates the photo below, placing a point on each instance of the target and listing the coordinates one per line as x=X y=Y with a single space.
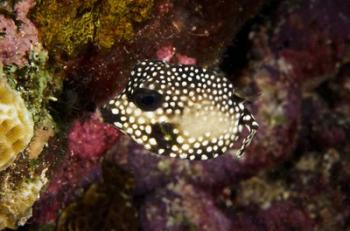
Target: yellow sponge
x=16 y=124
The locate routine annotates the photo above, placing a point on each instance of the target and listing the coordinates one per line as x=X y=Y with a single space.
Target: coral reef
x=284 y=88
x=16 y=124
x=27 y=88
x=91 y=78
x=294 y=59
x=29 y=120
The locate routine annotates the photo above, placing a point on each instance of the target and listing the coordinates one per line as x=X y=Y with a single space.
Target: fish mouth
x=164 y=135
x=108 y=116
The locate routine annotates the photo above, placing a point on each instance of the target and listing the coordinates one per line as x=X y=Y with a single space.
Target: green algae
x=36 y=84
x=70 y=26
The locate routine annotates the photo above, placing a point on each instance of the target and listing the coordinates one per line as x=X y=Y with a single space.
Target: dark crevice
x=235 y=58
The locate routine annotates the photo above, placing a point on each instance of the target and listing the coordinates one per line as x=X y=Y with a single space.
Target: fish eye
x=146 y=99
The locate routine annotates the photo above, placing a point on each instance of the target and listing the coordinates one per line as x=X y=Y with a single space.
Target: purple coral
x=282 y=216
x=181 y=206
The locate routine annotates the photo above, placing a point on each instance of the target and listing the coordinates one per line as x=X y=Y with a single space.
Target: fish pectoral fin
x=250 y=123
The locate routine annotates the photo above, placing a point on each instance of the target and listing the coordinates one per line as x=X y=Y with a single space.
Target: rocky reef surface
x=290 y=58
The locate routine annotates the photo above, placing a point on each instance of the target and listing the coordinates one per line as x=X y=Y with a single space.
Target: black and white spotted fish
x=180 y=111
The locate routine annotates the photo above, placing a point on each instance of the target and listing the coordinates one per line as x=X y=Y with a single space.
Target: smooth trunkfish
x=181 y=111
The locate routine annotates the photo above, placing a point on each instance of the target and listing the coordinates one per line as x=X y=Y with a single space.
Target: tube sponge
x=16 y=124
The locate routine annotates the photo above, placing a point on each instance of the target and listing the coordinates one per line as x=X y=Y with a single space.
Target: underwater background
x=63 y=168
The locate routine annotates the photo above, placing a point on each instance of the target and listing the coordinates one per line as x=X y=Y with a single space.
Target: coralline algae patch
x=16 y=124
x=17 y=33
x=69 y=26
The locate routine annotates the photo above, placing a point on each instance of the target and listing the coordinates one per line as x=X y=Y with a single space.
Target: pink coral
x=166 y=53
x=87 y=142
x=184 y=59
x=90 y=139
x=17 y=40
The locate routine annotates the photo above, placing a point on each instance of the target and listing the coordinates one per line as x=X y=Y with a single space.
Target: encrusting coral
x=16 y=124
x=71 y=25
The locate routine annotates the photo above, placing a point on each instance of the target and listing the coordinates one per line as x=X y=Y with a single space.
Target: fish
x=181 y=111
